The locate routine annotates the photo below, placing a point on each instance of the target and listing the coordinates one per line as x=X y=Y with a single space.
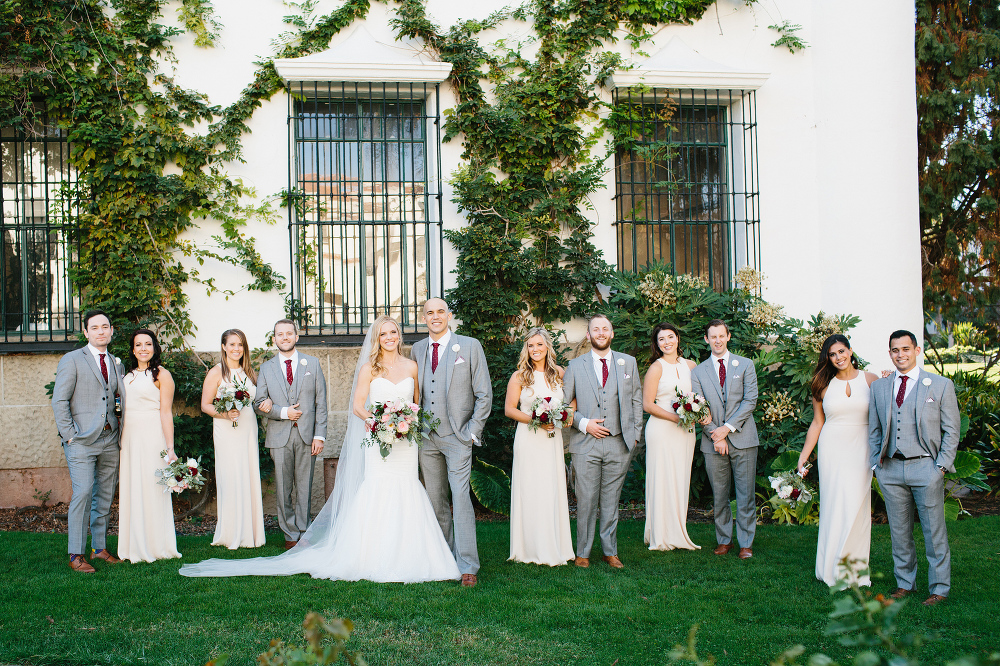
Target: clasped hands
x=294 y=413
x=719 y=440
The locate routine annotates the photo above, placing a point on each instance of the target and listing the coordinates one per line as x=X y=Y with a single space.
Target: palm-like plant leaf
x=491 y=486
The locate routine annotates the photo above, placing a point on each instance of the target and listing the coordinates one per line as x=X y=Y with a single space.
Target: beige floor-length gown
x=845 y=479
x=237 y=478
x=145 y=508
x=539 y=508
x=669 y=455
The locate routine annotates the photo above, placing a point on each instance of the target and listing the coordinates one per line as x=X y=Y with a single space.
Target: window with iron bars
x=38 y=303
x=686 y=181
x=365 y=220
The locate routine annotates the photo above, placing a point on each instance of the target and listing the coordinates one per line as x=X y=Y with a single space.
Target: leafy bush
x=326 y=643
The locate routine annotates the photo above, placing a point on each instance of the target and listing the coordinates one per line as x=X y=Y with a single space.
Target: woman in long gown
x=539 y=509
x=378 y=523
x=669 y=447
x=840 y=395
x=145 y=511
x=237 y=466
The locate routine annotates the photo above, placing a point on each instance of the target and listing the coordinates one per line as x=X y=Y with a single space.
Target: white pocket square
x=628 y=376
x=929 y=400
x=736 y=376
x=307 y=374
x=459 y=360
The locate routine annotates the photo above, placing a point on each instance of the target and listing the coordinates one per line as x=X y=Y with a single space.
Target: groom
x=296 y=430
x=608 y=415
x=729 y=440
x=87 y=382
x=913 y=432
x=455 y=387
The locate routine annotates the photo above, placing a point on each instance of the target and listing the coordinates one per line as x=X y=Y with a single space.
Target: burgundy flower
x=795 y=493
x=687 y=407
x=193 y=471
x=677 y=406
x=543 y=417
x=563 y=415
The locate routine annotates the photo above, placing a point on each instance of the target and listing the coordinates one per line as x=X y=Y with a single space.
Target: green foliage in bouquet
x=782 y=510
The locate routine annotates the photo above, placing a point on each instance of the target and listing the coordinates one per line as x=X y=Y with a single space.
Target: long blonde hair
x=244 y=361
x=526 y=369
x=376 y=354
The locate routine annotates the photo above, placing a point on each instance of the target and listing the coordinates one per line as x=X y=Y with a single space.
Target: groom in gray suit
x=296 y=429
x=455 y=386
x=729 y=439
x=87 y=382
x=913 y=432
x=608 y=418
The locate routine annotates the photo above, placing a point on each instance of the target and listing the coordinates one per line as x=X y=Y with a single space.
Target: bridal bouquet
x=793 y=499
x=543 y=411
x=397 y=420
x=180 y=474
x=690 y=407
x=232 y=397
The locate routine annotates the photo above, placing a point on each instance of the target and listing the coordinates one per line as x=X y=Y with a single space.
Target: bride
x=378 y=524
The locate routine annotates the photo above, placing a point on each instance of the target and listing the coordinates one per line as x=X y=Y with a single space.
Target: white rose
x=696 y=407
x=386 y=437
x=621 y=361
x=775 y=483
x=926 y=381
x=735 y=362
x=191 y=462
x=455 y=347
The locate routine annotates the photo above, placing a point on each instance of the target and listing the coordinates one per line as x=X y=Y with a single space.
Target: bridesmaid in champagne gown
x=145 y=510
x=539 y=509
x=669 y=447
x=840 y=393
x=237 y=467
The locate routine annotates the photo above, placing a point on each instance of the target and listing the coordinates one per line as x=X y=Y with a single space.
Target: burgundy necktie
x=722 y=373
x=288 y=370
x=604 y=372
x=434 y=356
x=902 y=391
x=104 y=368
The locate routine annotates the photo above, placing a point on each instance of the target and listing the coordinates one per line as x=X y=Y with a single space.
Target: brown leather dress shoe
x=103 y=554
x=290 y=544
x=79 y=563
x=900 y=593
x=469 y=580
x=723 y=548
x=746 y=553
x=934 y=600
x=582 y=562
x=614 y=562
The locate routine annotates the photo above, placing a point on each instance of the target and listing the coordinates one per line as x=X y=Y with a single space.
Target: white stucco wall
x=836 y=142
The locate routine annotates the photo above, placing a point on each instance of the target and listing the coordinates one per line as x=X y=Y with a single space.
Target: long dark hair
x=654 y=349
x=154 y=361
x=825 y=371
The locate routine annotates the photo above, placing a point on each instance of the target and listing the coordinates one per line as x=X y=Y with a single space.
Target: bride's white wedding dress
x=386 y=533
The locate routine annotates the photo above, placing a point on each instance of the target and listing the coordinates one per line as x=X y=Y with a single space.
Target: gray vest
x=903 y=428
x=434 y=392
x=109 y=391
x=607 y=397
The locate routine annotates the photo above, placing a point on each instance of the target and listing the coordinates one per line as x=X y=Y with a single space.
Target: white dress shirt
x=443 y=342
x=97 y=357
x=294 y=358
x=599 y=373
x=911 y=380
x=725 y=359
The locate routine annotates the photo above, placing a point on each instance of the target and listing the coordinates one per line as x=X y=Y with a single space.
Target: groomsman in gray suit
x=87 y=382
x=608 y=418
x=729 y=440
x=296 y=429
x=455 y=386
x=913 y=432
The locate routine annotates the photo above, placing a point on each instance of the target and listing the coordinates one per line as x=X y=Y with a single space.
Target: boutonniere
x=736 y=362
x=302 y=361
x=621 y=361
x=119 y=362
x=455 y=347
x=926 y=381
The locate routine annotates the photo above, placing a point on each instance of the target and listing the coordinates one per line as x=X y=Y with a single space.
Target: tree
x=958 y=110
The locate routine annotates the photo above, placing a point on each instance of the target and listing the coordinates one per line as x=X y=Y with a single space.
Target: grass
x=748 y=611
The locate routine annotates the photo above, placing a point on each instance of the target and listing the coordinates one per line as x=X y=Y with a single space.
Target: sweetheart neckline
x=386 y=379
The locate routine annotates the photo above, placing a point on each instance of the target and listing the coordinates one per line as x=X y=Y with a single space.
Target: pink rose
x=403 y=427
x=386 y=418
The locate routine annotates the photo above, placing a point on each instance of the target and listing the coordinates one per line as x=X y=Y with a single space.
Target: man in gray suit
x=913 y=430
x=729 y=439
x=608 y=418
x=88 y=381
x=291 y=393
x=455 y=386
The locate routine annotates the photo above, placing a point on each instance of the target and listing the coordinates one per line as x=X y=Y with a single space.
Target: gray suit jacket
x=467 y=380
x=81 y=401
x=308 y=390
x=939 y=423
x=580 y=382
x=733 y=404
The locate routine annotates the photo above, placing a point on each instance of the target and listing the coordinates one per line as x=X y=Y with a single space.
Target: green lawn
x=749 y=611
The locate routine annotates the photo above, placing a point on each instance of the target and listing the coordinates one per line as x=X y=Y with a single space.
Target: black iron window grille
x=38 y=303
x=366 y=204
x=686 y=181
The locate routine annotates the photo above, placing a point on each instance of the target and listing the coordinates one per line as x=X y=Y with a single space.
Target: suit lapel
x=588 y=366
x=92 y=362
x=297 y=375
x=920 y=395
x=889 y=401
x=278 y=364
x=714 y=380
x=447 y=357
x=730 y=371
x=620 y=377
x=418 y=354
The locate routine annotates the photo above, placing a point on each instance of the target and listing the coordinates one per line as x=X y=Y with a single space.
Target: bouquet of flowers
x=690 y=407
x=397 y=420
x=180 y=474
x=793 y=500
x=543 y=411
x=232 y=397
